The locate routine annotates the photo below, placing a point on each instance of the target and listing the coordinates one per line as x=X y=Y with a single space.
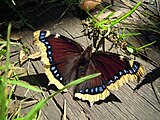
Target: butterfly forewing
x=60 y=55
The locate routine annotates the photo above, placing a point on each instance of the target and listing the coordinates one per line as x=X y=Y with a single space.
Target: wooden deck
x=143 y=104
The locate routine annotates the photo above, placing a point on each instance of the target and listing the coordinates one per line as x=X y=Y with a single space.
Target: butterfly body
x=65 y=60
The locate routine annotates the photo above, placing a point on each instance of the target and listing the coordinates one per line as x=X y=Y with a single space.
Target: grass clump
x=8 y=77
x=108 y=28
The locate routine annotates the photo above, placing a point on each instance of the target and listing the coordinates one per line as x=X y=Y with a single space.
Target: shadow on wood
x=39 y=80
x=110 y=98
x=149 y=78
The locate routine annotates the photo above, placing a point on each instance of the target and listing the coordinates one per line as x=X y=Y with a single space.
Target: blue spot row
x=135 y=67
x=94 y=90
x=132 y=70
x=110 y=82
x=53 y=67
x=42 y=34
x=100 y=89
x=49 y=48
x=55 y=72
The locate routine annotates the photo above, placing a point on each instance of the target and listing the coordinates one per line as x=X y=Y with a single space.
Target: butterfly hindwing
x=115 y=71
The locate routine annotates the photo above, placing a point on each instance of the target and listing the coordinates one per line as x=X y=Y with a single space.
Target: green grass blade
x=25 y=85
x=146 y=45
x=103 y=22
x=139 y=48
x=103 y=11
x=35 y=109
x=19 y=119
x=3 y=82
x=40 y=104
x=7 y=63
x=126 y=15
x=110 y=15
x=12 y=43
x=132 y=34
x=75 y=82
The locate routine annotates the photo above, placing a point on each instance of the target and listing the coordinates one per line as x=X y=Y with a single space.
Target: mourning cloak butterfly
x=65 y=60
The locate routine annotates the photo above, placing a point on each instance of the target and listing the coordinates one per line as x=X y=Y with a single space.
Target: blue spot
x=46 y=43
x=130 y=71
x=43 y=40
x=64 y=83
x=53 y=68
x=86 y=90
x=100 y=88
x=55 y=71
x=49 y=46
x=41 y=37
x=49 y=52
x=92 y=90
x=134 y=70
x=57 y=75
x=125 y=71
x=50 y=58
x=115 y=77
x=42 y=33
x=60 y=78
x=120 y=73
x=110 y=81
x=80 y=91
x=96 y=89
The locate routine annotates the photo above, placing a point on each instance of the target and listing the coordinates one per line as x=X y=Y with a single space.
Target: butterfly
x=65 y=60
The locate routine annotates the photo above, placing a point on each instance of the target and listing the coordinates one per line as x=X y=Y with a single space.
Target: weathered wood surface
x=122 y=104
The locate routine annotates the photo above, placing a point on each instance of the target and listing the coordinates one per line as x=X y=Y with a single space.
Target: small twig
x=65 y=111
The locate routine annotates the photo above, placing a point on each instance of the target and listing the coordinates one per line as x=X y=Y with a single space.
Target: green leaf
x=130 y=49
x=2 y=53
x=25 y=85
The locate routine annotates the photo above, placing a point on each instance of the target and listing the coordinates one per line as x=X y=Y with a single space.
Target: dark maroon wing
x=115 y=71
x=60 y=55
